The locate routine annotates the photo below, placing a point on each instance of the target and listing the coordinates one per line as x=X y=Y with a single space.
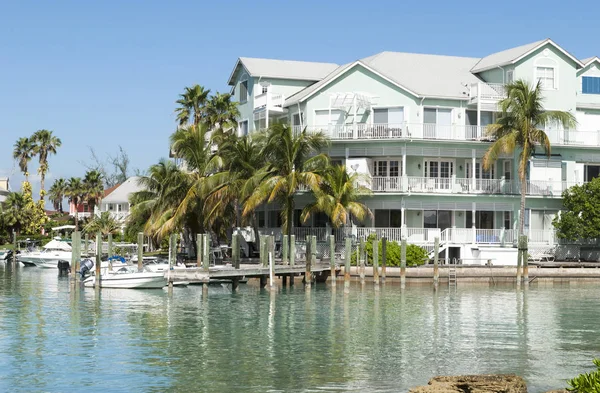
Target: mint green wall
x=562 y=98
x=495 y=75
x=246 y=109
x=287 y=87
x=591 y=70
x=359 y=79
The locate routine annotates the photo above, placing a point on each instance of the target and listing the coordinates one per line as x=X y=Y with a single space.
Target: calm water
x=53 y=339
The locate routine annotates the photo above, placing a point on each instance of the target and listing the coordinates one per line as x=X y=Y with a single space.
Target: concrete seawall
x=483 y=274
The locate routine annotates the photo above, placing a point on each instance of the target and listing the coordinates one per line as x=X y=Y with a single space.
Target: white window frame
x=388 y=167
x=243 y=101
x=507 y=216
x=510 y=76
x=554 y=76
x=247 y=126
x=479 y=174
x=439 y=161
x=371 y=119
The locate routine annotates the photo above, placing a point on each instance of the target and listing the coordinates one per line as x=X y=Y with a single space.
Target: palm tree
x=45 y=144
x=293 y=162
x=75 y=193
x=93 y=188
x=191 y=105
x=104 y=223
x=521 y=126
x=221 y=112
x=14 y=211
x=339 y=197
x=23 y=153
x=57 y=193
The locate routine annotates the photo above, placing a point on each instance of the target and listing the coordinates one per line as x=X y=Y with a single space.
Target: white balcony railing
x=487 y=91
x=451 y=184
x=270 y=100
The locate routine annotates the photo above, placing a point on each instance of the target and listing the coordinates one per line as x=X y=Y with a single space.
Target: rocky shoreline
x=503 y=383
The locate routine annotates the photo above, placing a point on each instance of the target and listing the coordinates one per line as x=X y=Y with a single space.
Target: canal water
x=55 y=339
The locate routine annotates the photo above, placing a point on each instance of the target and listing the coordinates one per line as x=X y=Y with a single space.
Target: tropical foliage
x=521 y=126
x=44 y=144
x=581 y=216
x=586 y=382
x=57 y=193
x=415 y=255
x=76 y=194
x=104 y=223
x=23 y=153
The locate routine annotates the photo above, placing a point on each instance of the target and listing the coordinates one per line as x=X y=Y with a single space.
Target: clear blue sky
x=107 y=73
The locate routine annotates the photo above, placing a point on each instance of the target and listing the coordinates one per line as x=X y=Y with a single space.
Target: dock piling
x=206 y=252
x=235 y=250
x=403 y=262
x=140 y=251
x=86 y=245
x=98 y=259
x=348 y=251
x=522 y=249
x=271 y=254
x=110 y=245
x=285 y=250
x=383 y=258
x=436 y=252
x=14 y=257
x=332 y=257
x=376 y=261
x=525 y=261
x=361 y=257
x=199 y=241
x=74 y=254
x=309 y=252
x=292 y=255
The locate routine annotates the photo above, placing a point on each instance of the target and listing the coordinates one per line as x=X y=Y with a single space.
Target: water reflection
x=52 y=333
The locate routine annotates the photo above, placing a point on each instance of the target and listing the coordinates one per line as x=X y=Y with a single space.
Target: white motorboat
x=5 y=255
x=127 y=277
x=56 y=250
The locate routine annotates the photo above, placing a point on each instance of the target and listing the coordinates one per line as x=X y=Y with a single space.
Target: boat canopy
x=57 y=245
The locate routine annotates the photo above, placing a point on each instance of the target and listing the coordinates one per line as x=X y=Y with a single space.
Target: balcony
x=486 y=93
x=271 y=101
x=450 y=185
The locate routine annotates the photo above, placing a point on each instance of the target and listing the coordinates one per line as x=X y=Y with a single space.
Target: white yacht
x=127 y=277
x=56 y=250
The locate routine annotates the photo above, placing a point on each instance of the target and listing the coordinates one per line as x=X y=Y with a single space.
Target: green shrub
x=415 y=255
x=586 y=382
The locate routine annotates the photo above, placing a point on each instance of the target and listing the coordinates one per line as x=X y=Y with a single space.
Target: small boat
x=53 y=252
x=127 y=277
x=5 y=255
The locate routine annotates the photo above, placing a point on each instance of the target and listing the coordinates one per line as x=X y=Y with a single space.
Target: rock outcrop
x=509 y=383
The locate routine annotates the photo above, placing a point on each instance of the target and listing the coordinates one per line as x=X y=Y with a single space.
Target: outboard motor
x=85 y=267
x=63 y=268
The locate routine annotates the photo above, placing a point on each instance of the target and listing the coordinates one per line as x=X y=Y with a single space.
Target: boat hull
x=129 y=281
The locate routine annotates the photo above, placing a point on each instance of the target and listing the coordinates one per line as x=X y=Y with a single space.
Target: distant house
x=83 y=210
x=117 y=201
x=4 y=188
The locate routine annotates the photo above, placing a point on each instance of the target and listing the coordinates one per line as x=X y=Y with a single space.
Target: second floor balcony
x=270 y=101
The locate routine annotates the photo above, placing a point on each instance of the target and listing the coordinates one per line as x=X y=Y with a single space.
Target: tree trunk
x=522 y=211
x=42 y=186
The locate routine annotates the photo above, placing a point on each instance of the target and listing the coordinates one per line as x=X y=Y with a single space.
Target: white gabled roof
x=426 y=75
x=121 y=193
x=283 y=69
x=511 y=56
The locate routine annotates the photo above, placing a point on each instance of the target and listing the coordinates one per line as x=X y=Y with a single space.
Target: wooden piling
x=206 y=252
x=14 y=258
x=525 y=261
x=348 y=252
x=375 y=261
x=73 y=254
x=140 y=251
x=199 y=241
x=110 y=250
x=332 y=257
x=271 y=242
x=361 y=257
x=235 y=250
x=307 y=271
x=98 y=259
x=383 y=258
x=263 y=251
x=86 y=245
x=285 y=250
x=313 y=257
x=522 y=247
x=292 y=255
x=436 y=252
x=263 y=281
x=77 y=250
x=403 y=262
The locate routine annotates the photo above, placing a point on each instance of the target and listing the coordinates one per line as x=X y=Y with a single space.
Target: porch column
x=329 y=120
x=267 y=109
x=354 y=130
x=473 y=163
x=479 y=105
x=473 y=223
x=404 y=178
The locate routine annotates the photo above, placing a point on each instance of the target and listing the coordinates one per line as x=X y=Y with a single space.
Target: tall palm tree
x=14 y=211
x=191 y=105
x=45 y=144
x=221 y=112
x=104 y=223
x=23 y=153
x=293 y=161
x=339 y=197
x=57 y=193
x=93 y=188
x=75 y=193
x=521 y=126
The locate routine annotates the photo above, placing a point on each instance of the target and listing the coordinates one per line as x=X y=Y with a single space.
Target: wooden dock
x=320 y=272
